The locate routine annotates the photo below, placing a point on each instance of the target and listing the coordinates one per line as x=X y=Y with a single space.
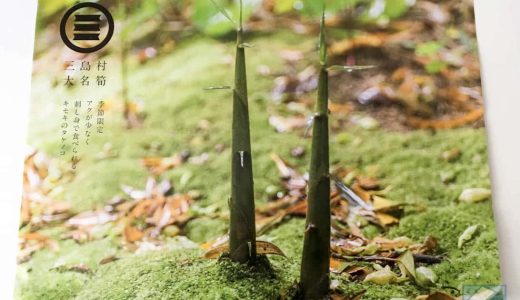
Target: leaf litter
x=142 y=217
x=357 y=201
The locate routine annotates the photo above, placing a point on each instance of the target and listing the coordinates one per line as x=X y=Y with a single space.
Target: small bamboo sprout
x=314 y=276
x=314 y=273
x=242 y=232
x=242 y=235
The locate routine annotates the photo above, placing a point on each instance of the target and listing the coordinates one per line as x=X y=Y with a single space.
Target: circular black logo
x=86 y=34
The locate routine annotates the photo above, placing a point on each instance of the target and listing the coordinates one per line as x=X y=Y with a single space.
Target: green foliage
x=215 y=18
x=435 y=66
x=315 y=8
x=428 y=49
x=381 y=11
x=376 y=10
x=395 y=8
x=215 y=21
x=48 y=8
x=284 y=6
x=312 y=8
x=431 y=50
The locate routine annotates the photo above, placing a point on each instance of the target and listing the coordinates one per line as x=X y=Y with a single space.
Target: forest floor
x=181 y=116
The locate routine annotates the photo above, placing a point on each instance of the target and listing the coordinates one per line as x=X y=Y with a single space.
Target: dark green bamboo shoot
x=314 y=276
x=242 y=235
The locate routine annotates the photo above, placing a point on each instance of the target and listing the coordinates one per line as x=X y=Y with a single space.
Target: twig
x=418 y=258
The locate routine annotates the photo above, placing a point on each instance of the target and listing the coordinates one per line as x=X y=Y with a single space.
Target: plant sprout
x=242 y=232
x=314 y=273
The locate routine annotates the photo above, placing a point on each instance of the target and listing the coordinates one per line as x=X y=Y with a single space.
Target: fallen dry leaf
x=90 y=218
x=448 y=123
x=474 y=195
x=108 y=259
x=132 y=234
x=382 y=277
x=287 y=124
x=467 y=235
x=158 y=165
x=261 y=248
x=337 y=266
x=386 y=219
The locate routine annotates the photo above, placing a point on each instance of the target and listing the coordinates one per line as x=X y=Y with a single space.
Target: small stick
x=418 y=258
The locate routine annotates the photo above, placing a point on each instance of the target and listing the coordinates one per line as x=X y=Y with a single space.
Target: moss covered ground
x=171 y=87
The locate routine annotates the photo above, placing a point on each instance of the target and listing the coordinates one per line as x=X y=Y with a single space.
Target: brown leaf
x=337 y=266
x=158 y=165
x=108 y=259
x=285 y=170
x=32 y=242
x=383 y=204
x=90 y=218
x=162 y=217
x=469 y=117
x=157 y=209
x=215 y=243
x=25 y=211
x=55 y=208
x=79 y=235
x=363 y=40
x=261 y=248
x=397 y=243
x=300 y=209
x=415 y=91
x=340 y=108
x=368 y=183
x=132 y=234
x=386 y=219
x=41 y=239
x=80 y=268
x=358 y=271
x=215 y=253
x=430 y=243
x=268 y=248
x=282 y=124
x=362 y=193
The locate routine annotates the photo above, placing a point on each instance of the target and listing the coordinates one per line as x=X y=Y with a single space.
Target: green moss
x=183 y=275
x=289 y=237
x=202 y=230
x=49 y=285
x=85 y=192
x=171 y=106
x=476 y=262
x=41 y=277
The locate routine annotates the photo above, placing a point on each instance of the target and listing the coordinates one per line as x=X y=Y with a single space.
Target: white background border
x=498 y=26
